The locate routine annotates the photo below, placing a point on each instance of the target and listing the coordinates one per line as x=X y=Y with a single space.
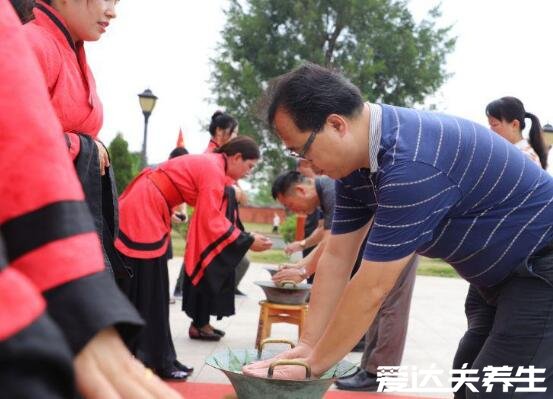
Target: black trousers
x=511 y=324
x=148 y=290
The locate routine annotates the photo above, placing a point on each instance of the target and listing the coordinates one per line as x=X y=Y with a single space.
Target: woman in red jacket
x=61 y=314
x=214 y=244
x=57 y=35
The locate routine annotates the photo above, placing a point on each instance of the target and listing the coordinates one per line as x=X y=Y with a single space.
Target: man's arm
x=355 y=312
x=304 y=268
x=333 y=273
x=313 y=239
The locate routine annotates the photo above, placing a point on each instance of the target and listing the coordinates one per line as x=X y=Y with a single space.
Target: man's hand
x=293 y=247
x=105 y=369
x=302 y=350
x=281 y=372
x=103 y=157
x=260 y=243
x=290 y=266
x=293 y=274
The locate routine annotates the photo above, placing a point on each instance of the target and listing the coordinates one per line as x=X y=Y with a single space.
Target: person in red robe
x=214 y=244
x=222 y=129
x=61 y=314
x=57 y=35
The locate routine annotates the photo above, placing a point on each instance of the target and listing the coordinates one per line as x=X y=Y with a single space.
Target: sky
x=503 y=48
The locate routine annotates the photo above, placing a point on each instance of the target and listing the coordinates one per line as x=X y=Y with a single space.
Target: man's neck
x=361 y=131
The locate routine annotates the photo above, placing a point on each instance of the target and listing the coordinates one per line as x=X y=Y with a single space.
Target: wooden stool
x=276 y=313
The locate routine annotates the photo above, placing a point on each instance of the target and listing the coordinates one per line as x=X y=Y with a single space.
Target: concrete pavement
x=435 y=326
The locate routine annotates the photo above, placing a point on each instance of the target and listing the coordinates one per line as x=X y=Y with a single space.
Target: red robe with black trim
x=49 y=238
x=145 y=220
x=36 y=182
x=70 y=81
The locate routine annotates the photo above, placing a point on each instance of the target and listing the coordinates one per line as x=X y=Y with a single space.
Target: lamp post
x=147 y=103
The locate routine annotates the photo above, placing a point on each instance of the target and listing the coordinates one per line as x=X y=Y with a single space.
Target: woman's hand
x=260 y=243
x=105 y=369
x=103 y=157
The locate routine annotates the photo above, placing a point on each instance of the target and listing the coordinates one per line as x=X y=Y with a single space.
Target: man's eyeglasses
x=305 y=148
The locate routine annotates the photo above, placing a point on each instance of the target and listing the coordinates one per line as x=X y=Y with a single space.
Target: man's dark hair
x=309 y=94
x=242 y=145
x=285 y=181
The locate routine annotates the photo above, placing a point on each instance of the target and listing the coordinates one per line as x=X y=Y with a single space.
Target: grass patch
x=262 y=228
x=427 y=266
x=273 y=256
x=435 y=267
x=178 y=243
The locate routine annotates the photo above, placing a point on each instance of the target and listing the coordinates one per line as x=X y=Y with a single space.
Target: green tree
x=125 y=164
x=375 y=43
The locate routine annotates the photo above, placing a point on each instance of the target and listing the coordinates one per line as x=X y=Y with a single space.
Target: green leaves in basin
x=234 y=362
x=247 y=358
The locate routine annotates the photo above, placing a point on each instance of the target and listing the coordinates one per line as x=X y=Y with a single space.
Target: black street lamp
x=147 y=103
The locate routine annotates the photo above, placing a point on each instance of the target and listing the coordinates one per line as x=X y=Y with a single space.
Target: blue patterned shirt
x=447 y=188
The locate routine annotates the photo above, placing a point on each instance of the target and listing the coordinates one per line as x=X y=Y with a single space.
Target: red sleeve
x=20 y=303
x=74 y=144
x=43 y=216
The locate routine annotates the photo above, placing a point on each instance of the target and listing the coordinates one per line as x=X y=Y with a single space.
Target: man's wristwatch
x=302 y=243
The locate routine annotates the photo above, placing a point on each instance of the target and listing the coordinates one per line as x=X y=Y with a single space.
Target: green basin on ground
x=231 y=362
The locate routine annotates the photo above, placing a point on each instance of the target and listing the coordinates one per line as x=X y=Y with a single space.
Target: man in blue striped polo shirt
x=423 y=183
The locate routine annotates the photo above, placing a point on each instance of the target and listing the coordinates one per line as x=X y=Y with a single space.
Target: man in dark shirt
x=424 y=183
x=385 y=340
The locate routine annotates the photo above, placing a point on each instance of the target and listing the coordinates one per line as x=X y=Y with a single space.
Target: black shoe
x=196 y=333
x=360 y=346
x=182 y=367
x=238 y=292
x=220 y=333
x=361 y=381
x=174 y=375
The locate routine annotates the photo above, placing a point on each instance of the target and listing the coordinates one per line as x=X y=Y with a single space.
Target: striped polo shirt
x=447 y=188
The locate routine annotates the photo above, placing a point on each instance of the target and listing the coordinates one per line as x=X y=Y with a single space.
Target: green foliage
x=288 y=228
x=125 y=164
x=263 y=196
x=375 y=43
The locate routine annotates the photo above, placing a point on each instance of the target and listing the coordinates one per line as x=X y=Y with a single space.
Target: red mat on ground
x=191 y=390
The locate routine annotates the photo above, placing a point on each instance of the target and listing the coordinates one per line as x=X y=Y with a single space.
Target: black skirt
x=148 y=290
x=199 y=301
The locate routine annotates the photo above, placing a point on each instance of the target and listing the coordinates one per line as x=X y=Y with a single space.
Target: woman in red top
x=222 y=129
x=57 y=35
x=214 y=244
x=59 y=308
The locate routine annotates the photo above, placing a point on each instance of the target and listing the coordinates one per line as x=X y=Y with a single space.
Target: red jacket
x=145 y=220
x=70 y=82
x=46 y=241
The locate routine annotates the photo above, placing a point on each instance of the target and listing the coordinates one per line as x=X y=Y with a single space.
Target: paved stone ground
x=436 y=324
